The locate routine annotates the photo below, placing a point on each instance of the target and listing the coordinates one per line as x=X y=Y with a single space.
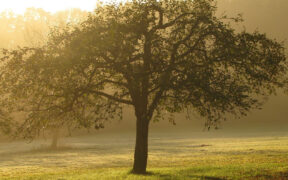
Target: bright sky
x=19 y=6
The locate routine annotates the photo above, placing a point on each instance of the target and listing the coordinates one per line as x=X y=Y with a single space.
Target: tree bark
x=141 y=148
x=55 y=138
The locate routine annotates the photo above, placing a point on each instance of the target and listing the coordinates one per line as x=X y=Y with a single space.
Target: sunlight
x=19 y=6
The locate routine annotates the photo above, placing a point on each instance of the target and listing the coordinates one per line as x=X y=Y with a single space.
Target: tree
x=5 y=123
x=31 y=29
x=156 y=56
x=5 y=119
x=38 y=24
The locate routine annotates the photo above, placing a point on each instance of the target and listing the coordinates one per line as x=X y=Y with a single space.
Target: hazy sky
x=19 y=6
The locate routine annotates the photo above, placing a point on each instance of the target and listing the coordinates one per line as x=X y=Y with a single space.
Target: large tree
x=156 y=56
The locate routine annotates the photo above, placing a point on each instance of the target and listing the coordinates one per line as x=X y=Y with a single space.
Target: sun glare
x=19 y=6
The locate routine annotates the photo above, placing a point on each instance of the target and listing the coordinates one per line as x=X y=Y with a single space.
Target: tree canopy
x=156 y=56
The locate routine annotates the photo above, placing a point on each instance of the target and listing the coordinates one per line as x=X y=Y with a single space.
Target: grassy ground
x=97 y=157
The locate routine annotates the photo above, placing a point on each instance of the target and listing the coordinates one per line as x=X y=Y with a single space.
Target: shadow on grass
x=174 y=177
x=194 y=174
x=184 y=174
x=278 y=176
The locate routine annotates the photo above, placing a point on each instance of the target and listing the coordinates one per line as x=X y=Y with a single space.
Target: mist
x=73 y=132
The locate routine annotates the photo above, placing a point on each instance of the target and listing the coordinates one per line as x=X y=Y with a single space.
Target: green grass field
x=99 y=157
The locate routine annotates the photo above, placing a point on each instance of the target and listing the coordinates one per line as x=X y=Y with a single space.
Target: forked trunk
x=141 y=148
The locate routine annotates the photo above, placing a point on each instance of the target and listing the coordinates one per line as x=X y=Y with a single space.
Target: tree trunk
x=55 y=138
x=141 y=148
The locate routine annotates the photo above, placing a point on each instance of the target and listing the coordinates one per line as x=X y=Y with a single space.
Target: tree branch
x=111 y=97
x=166 y=25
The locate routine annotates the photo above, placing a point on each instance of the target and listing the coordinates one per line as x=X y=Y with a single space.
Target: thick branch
x=111 y=97
x=155 y=102
x=166 y=25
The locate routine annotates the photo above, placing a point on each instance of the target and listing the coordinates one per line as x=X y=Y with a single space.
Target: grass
x=169 y=158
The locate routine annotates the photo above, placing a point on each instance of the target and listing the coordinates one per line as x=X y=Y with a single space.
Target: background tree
x=31 y=29
x=156 y=56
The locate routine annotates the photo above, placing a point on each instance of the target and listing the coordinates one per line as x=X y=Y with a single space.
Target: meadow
x=170 y=157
